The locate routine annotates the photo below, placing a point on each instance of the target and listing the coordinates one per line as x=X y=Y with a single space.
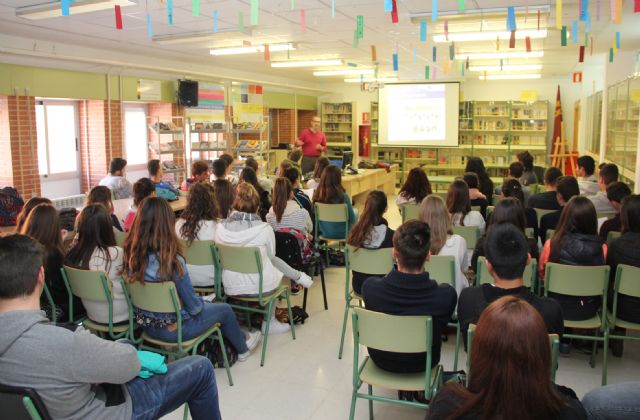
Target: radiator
x=75 y=201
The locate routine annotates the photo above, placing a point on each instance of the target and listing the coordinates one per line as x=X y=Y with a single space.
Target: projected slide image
x=417 y=112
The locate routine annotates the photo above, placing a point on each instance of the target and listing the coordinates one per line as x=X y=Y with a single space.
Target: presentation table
x=358 y=186
x=122 y=206
x=448 y=179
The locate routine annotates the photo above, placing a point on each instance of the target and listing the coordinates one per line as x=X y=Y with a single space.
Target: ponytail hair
x=281 y=192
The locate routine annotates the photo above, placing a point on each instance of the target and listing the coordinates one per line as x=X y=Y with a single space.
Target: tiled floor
x=303 y=378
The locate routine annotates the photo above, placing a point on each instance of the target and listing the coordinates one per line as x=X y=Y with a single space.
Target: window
x=135 y=134
x=57 y=128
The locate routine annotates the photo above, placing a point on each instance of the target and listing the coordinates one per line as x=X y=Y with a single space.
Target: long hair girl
x=330 y=190
x=371 y=216
x=282 y=193
x=458 y=202
x=201 y=205
x=93 y=231
x=434 y=212
x=417 y=186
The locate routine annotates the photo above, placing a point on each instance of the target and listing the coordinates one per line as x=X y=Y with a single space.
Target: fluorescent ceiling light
x=307 y=63
x=507 y=68
x=371 y=79
x=54 y=9
x=506 y=54
x=510 y=76
x=252 y=49
x=348 y=72
x=191 y=37
x=483 y=12
x=488 y=36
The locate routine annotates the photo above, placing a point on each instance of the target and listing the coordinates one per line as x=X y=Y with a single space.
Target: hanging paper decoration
x=374 y=55
x=435 y=70
x=611 y=55
x=360 y=26
x=501 y=64
x=388 y=6
x=255 y=10
x=598 y=10
x=616 y=11
x=538 y=19
x=559 y=14
x=426 y=72
x=466 y=64
x=149 y=29
x=574 y=32
x=170 y=12
x=636 y=6
x=433 y=54
x=64 y=4
x=423 y=30
x=498 y=43
x=512 y=40
x=581 y=54
x=352 y=65
x=303 y=21
x=618 y=40
x=434 y=10
x=462 y=69
x=415 y=55
x=395 y=61
x=451 y=51
x=195 y=8
x=577 y=77
x=591 y=47
x=586 y=39
x=267 y=53
x=527 y=43
x=240 y=21
x=563 y=36
x=333 y=8
x=511 y=19
x=356 y=40
x=215 y=21
x=446 y=29
x=293 y=4
x=461 y=6
x=584 y=9
x=394 y=12
x=446 y=66
x=118 y=17
x=246 y=43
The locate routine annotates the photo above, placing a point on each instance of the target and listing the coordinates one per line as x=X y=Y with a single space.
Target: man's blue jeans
x=189 y=380
x=619 y=401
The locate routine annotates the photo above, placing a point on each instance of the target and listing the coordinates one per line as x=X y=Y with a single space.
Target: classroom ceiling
x=324 y=36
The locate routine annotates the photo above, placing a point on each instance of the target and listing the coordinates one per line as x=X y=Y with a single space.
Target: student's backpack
x=166 y=194
x=210 y=349
x=10 y=206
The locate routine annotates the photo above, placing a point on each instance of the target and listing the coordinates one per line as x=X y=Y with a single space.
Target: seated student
x=94 y=248
x=515 y=173
x=293 y=158
x=613 y=402
x=199 y=173
x=528 y=177
x=415 y=188
x=507 y=253
x=547 y=200
x=624 y=250
x=43 y=225
x=228 y=160
x=26 y=209
x=566 y=187
x=459 y=206
x=408 y=290
x=198 y=222
x=142 y=189
x=219 y=170
x=321 y=163
x=616 y=192
x=69 y=370
x=249 y=176
x=116 y=181
x=163 y=189
x=510 y=211
x=512 y=188
x=102 y=195
x=510 y=364
x=331 y=191
x=608 y=174
x=484 y=184
x=284 y=165
x=371 y=231
x=587 y=181
x=244 y=228
x=265 y=183
x=299 y=196
x=476 y=198
x=225 y=194
x=152 y=253
x=442 y=239
x=575 y=242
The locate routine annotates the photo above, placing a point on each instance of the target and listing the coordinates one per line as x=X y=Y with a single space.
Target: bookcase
x=167 y=144
x=339 y=126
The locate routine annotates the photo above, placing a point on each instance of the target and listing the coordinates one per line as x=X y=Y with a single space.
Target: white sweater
x=99 y=311
x=200 y=275
x=457 y=247
x=294 y=217
x=473 y=218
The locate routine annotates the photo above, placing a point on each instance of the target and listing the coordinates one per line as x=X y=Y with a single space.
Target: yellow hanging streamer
x=559 y=14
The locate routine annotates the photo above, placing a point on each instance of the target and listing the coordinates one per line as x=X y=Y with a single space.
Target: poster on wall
x=149 y=90
x=210 y=104
x=248 y=106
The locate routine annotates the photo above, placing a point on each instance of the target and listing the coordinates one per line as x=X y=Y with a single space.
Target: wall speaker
x=188 y=93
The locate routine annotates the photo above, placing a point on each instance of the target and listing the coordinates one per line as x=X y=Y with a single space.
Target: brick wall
x=283 y=126
x=23 y=145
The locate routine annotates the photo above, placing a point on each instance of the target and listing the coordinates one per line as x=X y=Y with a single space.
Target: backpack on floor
x=210 y=348
x=10 y=205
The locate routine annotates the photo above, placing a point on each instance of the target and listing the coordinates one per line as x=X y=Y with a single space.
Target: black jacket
x=545 y=200
x=547 y=222
x=624 y=250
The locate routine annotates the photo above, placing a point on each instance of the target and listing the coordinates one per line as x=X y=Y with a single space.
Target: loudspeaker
x=187 y=93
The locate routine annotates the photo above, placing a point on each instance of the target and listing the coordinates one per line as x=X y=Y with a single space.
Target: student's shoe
x=305 y=280
x=295 y=289
x=565 y=349
x=276 y=327
x=252 y=343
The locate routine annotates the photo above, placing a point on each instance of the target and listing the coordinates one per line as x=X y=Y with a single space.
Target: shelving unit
x=339 y=126
x=167 y=144
x=206 y=139
x=253 y=140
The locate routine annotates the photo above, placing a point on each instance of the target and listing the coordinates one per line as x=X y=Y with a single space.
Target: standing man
x=313 y=142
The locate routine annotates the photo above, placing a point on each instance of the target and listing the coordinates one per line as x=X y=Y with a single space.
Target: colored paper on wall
x=461 y=5
x=559 y=14
x=149 y=28
x=255 y=10
x=303 y=21
x=434 y=54
x=451 y=51
x=64 y=4
x=426 y=72
x=618 y=40
x=240 y=21
x=215 y=21
x=581 y=54
x=293 y=4
x=527 y=44
x=512 y=40
x=511 y=19
x=195 y=7
x=395 y=61
x=388 y=6
x=434 y=10
x=170 y=12
x=374 y=54
x=360 y=27
x=586 y=39
x=394 y=12
x=563 y=36
x=462 y=69
x=267 y=53
x=118 y=17
x=423 y=30
x=574 y=32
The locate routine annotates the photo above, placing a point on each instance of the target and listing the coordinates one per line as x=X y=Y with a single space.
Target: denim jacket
x=191 y=303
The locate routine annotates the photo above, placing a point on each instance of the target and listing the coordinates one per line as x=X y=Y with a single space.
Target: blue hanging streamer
x=388 y=6
x=215 y=21
x=574 y=31
x=618 y=40
x=584 y=10
x=65 y=7
x=149 y=29
x=395 y=61
x=434 y=10
x=511 y=19
x=423 y=30
x=170 y=12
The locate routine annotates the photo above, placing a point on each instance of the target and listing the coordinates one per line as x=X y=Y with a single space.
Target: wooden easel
x=561 y=154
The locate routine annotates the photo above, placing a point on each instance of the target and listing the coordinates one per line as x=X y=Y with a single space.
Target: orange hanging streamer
x=267 y=53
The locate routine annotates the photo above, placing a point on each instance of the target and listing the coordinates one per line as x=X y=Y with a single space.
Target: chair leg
x=324 y=289
x=352 y=412
x=267 y=319
x=594 y=350
x=224 y=356
x=605 y=354
x=455 y=355
x=304 y=300
x=344 y=329
x=370 y=391
x=185 y=416
x=293 y=328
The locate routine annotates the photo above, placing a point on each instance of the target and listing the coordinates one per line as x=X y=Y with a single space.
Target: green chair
x=607 y=214
x=554 y=343
x=471 y=234
x=201 y=253
x=442 y=268
x=627 y=283
x=588 y=281
x=94 y=286
x=409 y=211
x=550 y=233
x=542 y=212
x=612 y=236
x=52 y=304
x=489 y=211
x=163 y=297
x=528 y=232
x=529 y=276
x=533 y=188
x=120 y=237
x=400 y=334
x=377 y=262
x=21 y=404
x=247 y=260
x=476 y=208
x=337 y=213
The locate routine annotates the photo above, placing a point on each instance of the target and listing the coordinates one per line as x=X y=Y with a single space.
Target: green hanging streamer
x=461 y=6
x=360 y=28
x=426 y=72
x=293 y=4
x=563 y=36
x=255 y=9
x=195 y=8
x=611 y=55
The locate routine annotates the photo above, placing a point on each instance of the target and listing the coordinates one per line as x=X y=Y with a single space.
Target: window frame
x=145 y=108
x=59 y=176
